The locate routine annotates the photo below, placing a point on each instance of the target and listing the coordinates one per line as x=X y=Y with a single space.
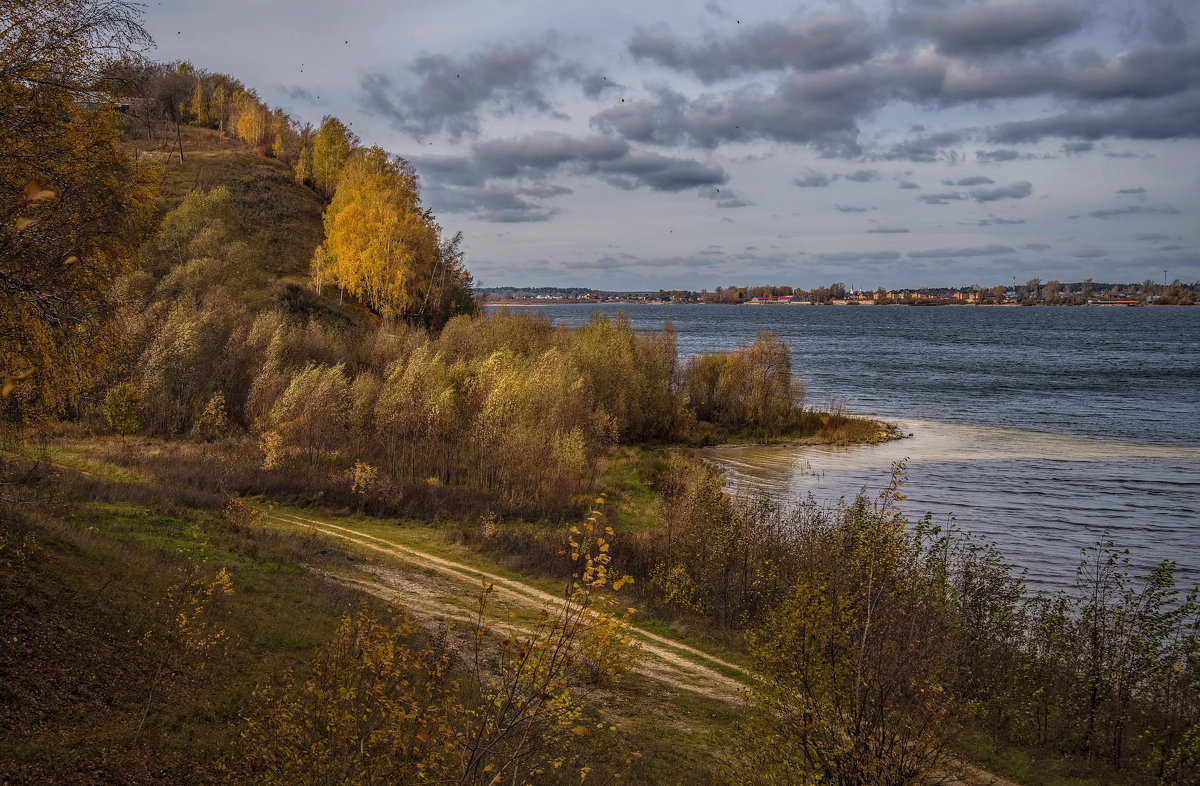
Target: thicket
x=503 y=413
x=881 y=638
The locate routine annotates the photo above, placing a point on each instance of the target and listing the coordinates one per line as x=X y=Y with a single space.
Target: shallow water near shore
x=1036 y=428
x=1040 y=497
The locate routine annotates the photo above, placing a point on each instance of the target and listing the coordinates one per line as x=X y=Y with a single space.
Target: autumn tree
x=73 y=203
x=381 y=246
x=312 y=415
x=304 y=168
x=858 y=659
x=331 y=148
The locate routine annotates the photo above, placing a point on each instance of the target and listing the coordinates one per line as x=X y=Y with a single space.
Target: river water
x=1037 y=428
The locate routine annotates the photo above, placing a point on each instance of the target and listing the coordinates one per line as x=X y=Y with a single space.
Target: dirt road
x=677 y=664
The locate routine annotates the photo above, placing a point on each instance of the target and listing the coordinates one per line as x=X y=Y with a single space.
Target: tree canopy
x=73 y=202
x=381 y=246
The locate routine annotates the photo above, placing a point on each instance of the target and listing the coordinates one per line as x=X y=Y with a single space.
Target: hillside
x=279 y=216
x=250 y=533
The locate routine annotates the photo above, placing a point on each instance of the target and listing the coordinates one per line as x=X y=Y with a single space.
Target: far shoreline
x=543 y=303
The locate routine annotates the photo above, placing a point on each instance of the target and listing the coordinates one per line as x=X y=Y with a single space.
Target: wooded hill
x=276 y=506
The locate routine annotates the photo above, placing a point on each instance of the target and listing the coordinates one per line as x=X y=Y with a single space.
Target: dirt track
x=674 y=663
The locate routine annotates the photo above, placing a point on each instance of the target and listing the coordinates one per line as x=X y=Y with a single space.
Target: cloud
x=984 y=51
x=941 y=197
x=468 y=183
x=811 y=44
x=1090 y=253
x=927 y=148
x=1018 y=190
x=540 y=154
x=1133 y=210
x=887 y=231
x=811 y=178
x=1166 y=23
x=992 y=25
x=996 y=156
x=438 y=93
x=864 y=176
x=1151 y=236
x=1138 y=190
x=442 y=93
x=820 y=110
x=1172 y=117
x=494 y=203
x=658 y=172
x=853 y=209
x=907 y=185
x=727 y=198
x=1037 y=246
x=859 y=256
x=1073 y=147
x=998 y=221
x=968 y=251
x=975 y=180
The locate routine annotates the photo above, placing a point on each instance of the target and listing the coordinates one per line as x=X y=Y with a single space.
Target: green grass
x=1031 y=767
x=81 y=607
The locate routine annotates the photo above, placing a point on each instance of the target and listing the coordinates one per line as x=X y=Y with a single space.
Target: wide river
x=1039 y=429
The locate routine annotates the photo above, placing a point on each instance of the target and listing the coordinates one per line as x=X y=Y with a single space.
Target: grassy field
x=98 y=689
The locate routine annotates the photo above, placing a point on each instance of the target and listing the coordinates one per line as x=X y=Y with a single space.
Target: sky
x=686 y=145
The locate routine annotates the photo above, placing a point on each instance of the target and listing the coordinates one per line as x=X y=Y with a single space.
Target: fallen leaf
x=10 y=382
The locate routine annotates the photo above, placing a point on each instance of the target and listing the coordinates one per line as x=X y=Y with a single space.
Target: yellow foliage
x=379 y=243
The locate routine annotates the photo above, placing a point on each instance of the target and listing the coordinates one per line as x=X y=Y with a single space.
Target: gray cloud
x=494 y=203
x=820 y=110
x=658 y=172
x=990 y=26
x=1037 y=246
x=1151 y=236
x=1090 y=253
x=907 y=185
x=811 y=178
x=464 y=183
x=1172 y=117
x=443 y=93
x=1074 y=147
x=1134 y=210
x=998 y=221
x=727 y=198
x=927 y=148
x=864 y=176
x=859 y=256
x=887 y=231
x=996 y=156
x=1141 y=93
x=853 y=209
x=811 y=44
x=968 y=251
x=1018 y=190
x=941 y=197
x=975 y=180
x=537 y=155
x=541 y=152
x=1138 y=190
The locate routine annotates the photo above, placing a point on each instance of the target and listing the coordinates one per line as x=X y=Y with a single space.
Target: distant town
x=1034 y=292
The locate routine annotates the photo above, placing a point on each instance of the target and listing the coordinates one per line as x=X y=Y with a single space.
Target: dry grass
x=282 y=218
